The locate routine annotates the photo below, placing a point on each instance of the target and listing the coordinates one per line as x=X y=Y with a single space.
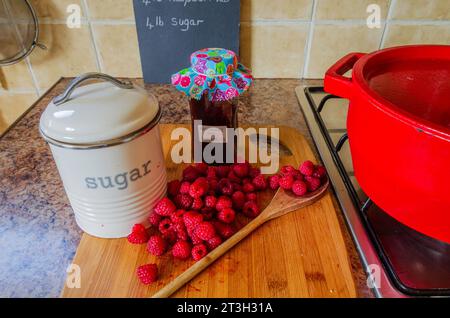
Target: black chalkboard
x=170 y=30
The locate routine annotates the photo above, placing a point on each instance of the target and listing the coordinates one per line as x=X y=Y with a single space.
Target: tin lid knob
x=87 y=76
x=100 y=112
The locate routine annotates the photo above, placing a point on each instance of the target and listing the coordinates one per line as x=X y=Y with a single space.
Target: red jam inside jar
x=213 y=116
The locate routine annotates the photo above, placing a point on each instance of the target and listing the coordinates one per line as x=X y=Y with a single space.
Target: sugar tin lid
x=98 y=114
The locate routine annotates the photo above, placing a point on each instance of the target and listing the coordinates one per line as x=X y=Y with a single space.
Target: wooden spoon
x=282 y=203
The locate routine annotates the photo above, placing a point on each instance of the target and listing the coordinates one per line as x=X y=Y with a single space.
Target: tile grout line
x=91 y=31
x=392 y=4
x=33 y=76
x=308 y=45
x=17 y=91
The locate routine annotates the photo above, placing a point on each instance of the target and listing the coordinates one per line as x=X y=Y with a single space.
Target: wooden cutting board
x=301 y=254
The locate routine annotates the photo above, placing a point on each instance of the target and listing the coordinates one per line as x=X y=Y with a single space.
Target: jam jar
x=213 y=83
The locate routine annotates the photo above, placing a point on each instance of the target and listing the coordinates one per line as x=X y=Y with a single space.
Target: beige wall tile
x=110 y=9
x=348 y=9
x=274 y=50
x=12 y=106
x=70 y=52
x=16 y=76
x=417 y=34
x=331 y=42
x=275 y=9
x=422 y=9
x=53 y=9
x=118 y=49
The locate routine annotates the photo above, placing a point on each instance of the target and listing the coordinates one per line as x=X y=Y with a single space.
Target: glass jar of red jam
x=214 y=82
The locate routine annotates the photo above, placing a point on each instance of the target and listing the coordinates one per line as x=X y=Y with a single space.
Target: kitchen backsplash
x=293 y=38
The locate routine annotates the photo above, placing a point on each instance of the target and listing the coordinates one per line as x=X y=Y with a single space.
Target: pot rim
x=107 y=143
x=381 y=103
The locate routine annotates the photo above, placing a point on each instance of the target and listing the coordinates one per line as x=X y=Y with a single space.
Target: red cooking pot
x=399 y=131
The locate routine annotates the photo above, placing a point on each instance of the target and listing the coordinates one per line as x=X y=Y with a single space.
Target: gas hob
x=399 y=261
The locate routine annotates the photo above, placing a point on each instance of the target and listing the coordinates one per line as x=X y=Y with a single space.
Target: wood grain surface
x=301 y=254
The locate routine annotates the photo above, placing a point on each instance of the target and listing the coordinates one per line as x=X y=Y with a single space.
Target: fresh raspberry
x=226 y=215
x=177 y=216
x=208 y=213
x=199 y=251
x=190 y=173
x=222 y=171
x=237 y=187
x=184 y=187
x=173 y=188
x=211 y=173
x=180 y=230
x=250 y=209
x=260 y=182
x=198 y=188
x=238 y=199
x=181 y=250
x=191 y=219
x=248 y=187
x=246 y=180
x=147 y=274
x=299 y=188
x=164 y=207
x=165 y=226
x=307 y=168
x=201 y=167
x=251 y=196
x=226 y=186
x=286 y=182
x=139 y=237
x=312 y=183
x=138 y=228
x=195 y=239
x=274 y=182
x=287 y=170
x=197 y=204
x=233 y=177
x=205 y=231
x=214 y=242
x=213 y=185
x=224 y=230
x=170 y=236
x=223 y=202
x=183 y=201
x=156 y=245
x=320 y=172
x=254 y=172
x=210 y=201
x=154 y=219
x=241 y=170
x=298 y=176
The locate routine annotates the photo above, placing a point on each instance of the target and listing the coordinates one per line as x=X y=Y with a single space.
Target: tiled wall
x=279 y=38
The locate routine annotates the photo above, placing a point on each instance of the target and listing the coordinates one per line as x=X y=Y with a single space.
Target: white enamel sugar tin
x=106 y=143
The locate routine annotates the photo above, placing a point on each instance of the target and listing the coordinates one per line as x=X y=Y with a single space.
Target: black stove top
x=414 y=264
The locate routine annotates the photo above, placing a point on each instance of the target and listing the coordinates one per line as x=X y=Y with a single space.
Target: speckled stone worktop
x=38 y=233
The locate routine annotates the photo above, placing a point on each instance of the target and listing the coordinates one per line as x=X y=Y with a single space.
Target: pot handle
x=337 y=84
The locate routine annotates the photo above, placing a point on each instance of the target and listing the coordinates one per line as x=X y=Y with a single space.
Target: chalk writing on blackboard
x=184 y=24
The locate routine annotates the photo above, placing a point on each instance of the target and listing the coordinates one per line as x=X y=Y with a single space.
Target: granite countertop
x=38 y=233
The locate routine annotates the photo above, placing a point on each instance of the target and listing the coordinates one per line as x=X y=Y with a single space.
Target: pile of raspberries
x=199 y=211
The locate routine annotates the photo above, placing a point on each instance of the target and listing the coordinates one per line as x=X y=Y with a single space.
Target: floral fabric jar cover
x=216 y=72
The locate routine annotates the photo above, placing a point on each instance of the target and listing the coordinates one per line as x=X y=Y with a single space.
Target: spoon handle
x=198 y=267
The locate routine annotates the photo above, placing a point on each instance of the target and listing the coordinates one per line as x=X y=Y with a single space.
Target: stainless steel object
x=19 y=31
